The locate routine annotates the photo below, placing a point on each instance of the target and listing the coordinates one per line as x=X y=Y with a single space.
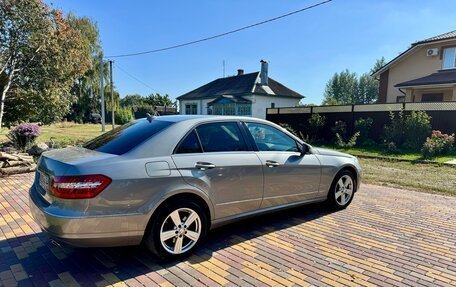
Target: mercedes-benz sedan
x=165 y=181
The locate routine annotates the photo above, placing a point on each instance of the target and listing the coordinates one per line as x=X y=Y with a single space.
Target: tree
x=159 y=100
x=132 y=100
x=341 y=89
x=378 y=64
x=347 y=88
x=41 y=55
x=367 y=92
x=87 y=88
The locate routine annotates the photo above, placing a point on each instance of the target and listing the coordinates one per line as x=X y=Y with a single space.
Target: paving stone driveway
x=387 y=237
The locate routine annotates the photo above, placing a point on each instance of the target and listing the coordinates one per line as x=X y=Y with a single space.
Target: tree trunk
x=6 y=87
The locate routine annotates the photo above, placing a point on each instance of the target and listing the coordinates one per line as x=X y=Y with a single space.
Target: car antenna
x=149 y=117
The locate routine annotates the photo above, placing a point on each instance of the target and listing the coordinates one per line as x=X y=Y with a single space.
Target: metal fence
x=443 y=116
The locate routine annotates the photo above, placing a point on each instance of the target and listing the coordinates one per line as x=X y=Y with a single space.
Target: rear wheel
x=342 y=190
x=176 y=229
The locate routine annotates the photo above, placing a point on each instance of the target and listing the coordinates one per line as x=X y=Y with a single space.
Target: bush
x=394 y=132
x=417 y=128
x=24 y=135
x=363 y=126
x=351 y=142
x=314 y=125
x=123 y=115
x=409 y=131
x=340 y=128
x=289 y=128
x=437 y=144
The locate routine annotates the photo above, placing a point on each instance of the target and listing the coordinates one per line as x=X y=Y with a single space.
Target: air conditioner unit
x=432 y=52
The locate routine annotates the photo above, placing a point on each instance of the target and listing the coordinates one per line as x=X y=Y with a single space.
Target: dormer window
x=449 y=58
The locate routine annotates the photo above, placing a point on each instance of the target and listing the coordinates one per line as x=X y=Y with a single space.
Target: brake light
x=78 y=186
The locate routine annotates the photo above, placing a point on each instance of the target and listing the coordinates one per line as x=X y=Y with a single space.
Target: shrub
x=417 y=128
x=363 y=126
x=394 y=132
x=350 y=143
x=437 y=144
x=314 y=125
x=340 y=127
x=123 y=115
x=409 y=131
x=24 y=135
x=289 y=128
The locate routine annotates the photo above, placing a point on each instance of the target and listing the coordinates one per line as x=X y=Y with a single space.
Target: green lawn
x=381 y=152
x=65 y=133
x=433 y=178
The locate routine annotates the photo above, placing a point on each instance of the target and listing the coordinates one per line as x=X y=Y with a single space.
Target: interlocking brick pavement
x=387 y=237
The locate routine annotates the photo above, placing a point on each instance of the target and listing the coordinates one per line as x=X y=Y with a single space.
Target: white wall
x=261 y=103
x=202 y=105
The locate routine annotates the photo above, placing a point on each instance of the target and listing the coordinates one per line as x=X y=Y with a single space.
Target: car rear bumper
x=80 y=231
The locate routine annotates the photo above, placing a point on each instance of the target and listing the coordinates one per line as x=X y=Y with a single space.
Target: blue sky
x=304 y=50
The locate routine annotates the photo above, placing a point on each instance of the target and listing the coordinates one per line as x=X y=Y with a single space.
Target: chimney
x=264 y=73
x=240 y=72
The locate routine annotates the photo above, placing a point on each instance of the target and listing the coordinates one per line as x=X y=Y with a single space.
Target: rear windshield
x=124 y=138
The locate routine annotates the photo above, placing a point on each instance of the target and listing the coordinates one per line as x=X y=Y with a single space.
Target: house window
x=232 y=109
x=229 y=109
x=244 y=109
x=191 y=109
x=436 y=97
x=449 y=58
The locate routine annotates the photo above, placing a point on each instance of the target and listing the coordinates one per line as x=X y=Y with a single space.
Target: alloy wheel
x=180 y=231
x=344 y=190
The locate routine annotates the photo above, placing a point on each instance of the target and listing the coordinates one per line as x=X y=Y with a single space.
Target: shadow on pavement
x=35 y=260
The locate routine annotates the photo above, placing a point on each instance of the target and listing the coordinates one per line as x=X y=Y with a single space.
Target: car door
x=216 y=158
x=288 y=175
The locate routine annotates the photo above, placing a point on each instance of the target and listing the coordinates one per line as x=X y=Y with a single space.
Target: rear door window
x=124 y=138
x=221 y=136
x=190 y=144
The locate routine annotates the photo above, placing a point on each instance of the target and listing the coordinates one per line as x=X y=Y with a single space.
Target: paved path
x=387 y=237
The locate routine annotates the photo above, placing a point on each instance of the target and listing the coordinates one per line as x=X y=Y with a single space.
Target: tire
x=168 y=237
x=339 y=197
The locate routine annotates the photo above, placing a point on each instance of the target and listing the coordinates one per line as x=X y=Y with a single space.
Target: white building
x=242 y=95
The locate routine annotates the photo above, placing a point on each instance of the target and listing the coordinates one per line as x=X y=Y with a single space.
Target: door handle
x=271 y=163
x=204 y=165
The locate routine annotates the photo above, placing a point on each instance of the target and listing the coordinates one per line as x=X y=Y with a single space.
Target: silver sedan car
x=165 y=181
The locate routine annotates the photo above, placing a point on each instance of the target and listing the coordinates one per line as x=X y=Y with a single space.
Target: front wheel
x=342 y=190
x=177 y=228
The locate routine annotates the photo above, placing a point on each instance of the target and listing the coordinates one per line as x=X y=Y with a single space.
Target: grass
x=433 y=178
x=65 y=133
x=379 y=151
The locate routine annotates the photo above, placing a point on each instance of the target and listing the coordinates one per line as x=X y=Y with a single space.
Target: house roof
x=239 y=85
x=439 y=78
x=442 y=37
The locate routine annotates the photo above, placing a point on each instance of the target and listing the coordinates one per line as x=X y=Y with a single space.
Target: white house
x=242 y=95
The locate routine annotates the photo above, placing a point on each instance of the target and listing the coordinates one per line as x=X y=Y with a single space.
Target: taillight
x=78 y=186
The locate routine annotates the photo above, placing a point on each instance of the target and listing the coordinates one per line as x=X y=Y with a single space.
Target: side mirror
x=304 y=149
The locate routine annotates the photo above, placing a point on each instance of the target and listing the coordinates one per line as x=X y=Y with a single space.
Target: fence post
x=311 y=110
x=352 y=126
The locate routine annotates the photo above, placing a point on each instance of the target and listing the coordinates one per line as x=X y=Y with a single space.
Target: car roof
x=205 y=118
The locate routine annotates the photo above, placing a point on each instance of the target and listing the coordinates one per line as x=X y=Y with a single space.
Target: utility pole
x=112 y=95
x=102 y=95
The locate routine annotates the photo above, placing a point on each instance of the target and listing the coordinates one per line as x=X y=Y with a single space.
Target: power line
x=222 y=34
x=134 y=77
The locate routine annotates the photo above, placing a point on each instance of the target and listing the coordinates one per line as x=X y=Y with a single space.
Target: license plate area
x=43 y=180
